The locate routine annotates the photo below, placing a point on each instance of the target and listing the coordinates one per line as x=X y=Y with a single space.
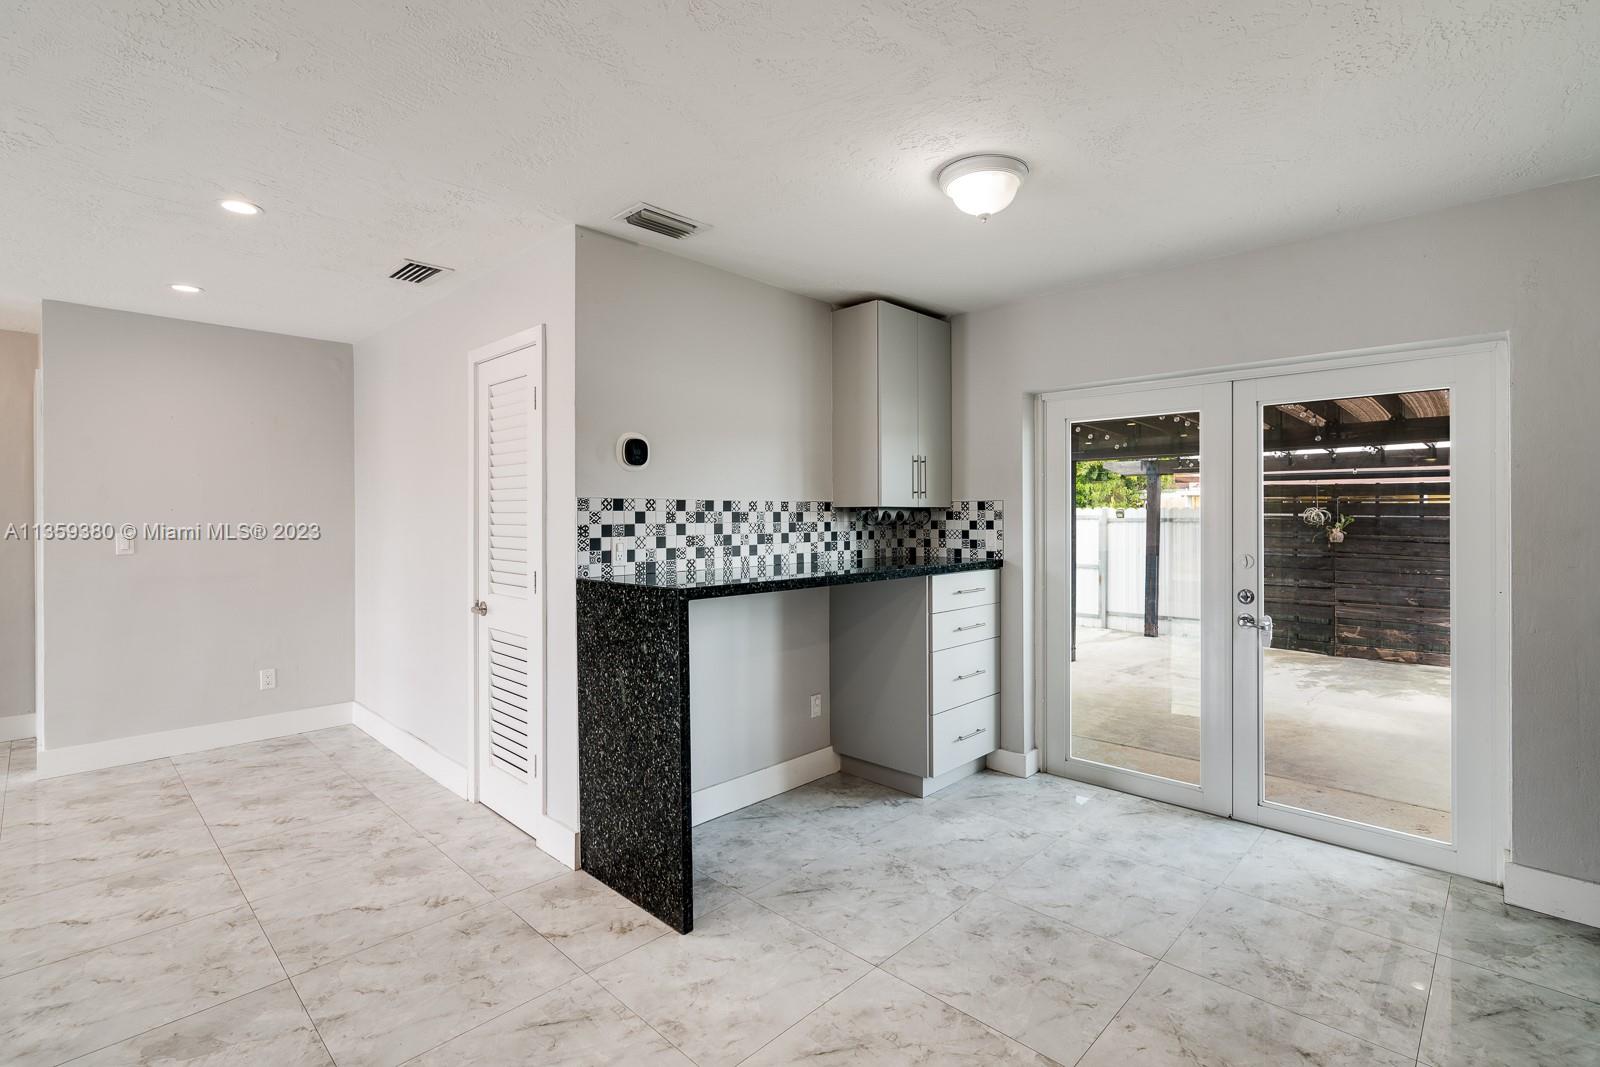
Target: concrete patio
x=1359 y=739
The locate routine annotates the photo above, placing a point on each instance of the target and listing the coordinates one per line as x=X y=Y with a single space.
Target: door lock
x=1247 y=596
x=480 y=608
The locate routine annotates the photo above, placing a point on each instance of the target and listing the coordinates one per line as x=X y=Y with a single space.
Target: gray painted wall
x=731 y=380
x=150 y=419
x=19 y=358
x=754 y=662
x=1527 y=264
x=413 y=522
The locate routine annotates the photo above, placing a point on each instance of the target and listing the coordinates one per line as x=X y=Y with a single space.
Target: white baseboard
x=16 y=727
x=752 y=788
x=559 y=841
x=411 y=748
x=1553 y=894
x=54 y=762
x=1016 y=764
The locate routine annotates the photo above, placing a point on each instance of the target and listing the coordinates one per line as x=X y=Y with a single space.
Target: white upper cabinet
x=891 y=408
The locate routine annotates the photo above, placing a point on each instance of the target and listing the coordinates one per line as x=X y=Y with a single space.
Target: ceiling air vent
x=416 y=272
x=658 y=220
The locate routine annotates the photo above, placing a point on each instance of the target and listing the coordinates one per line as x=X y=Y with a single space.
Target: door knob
x=480 y=608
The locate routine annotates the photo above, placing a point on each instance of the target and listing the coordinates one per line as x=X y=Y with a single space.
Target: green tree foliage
x=1095 y=487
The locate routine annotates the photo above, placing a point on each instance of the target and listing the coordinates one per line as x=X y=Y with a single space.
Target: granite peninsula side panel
x=633 y=746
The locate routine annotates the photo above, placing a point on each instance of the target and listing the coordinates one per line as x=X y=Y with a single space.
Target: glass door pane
x=1135 y=687
x=1356 y=668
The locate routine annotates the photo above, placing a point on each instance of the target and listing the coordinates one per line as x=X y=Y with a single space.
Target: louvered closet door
x=508 y=520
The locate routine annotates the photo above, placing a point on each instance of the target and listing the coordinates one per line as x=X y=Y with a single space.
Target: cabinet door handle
x=974 y=674
x=975 y=733
x=913 y=477
x=969 y=626
x=964 y=592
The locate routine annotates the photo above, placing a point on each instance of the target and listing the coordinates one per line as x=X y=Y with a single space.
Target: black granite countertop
x=702 y=584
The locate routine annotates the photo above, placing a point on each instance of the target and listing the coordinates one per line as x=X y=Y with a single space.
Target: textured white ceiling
x=807 y=134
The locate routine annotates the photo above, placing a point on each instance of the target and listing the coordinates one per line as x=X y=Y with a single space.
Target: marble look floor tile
x=880 y=1021
x=47 y=927
x=1201 y=846
x=587 y=921
x=501 y=857
x=1043 y=803
x=743 y=977
x=45 y=863
x=709 y=895
x=976 y=849
x=865 y=900
x=750 y=848
x=1477 y=1018
x=575 y=1026
x=271 y=754
x=279 y=862
x=845 y=805
x=1482 y=929
x=52 y=1013
x=1048 y=985
x=256 y=804
x=367 y=903
x=22 y=764
x=405 y=996
x=103 y=801
x=1381 y=896
x=1135 y=904
x=267 y=1027
x=1178 y=1019
x=1354 y=981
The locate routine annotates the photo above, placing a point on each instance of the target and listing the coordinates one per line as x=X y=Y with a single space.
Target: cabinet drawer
x=948 y=629
x=965 y=589
x=962 y=734
x=963 y=674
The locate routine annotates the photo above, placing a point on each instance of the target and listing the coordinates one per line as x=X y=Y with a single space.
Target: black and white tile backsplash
x=617 y=535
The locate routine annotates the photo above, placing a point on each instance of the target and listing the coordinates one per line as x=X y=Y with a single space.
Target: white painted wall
x=413 y=532
x=159 y=420
x=19 y=358
x=1526 y=264
x=731 y=381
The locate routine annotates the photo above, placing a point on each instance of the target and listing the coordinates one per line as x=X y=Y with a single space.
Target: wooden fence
x=1383 y=593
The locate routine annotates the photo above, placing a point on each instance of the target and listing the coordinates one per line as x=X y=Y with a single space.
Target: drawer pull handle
x=964 y=592
x=974 y=674
x=970 y=626
x=975 y=733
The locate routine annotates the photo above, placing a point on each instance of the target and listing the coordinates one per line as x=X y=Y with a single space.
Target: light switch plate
x=816 y=705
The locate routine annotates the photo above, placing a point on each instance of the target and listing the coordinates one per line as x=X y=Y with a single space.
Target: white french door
x=1279 y=595
x=507 y=607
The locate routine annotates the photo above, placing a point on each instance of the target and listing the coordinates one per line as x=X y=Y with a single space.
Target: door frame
x=533 y=338
x=1497 y=347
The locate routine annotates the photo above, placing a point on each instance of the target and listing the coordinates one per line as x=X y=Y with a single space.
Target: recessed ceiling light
x=240 y=207
x=982 y=185
x=184 y=287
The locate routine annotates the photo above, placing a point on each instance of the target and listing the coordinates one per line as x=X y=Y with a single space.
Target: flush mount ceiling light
x=239 y=207
x=184 y=287
x=982 y=185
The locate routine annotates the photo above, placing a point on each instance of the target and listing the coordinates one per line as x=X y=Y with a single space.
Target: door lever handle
x=1248 y=621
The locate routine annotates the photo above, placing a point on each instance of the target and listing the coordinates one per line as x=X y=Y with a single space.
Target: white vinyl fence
x=1109 y=552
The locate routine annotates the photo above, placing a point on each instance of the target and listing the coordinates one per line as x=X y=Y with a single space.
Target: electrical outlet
x=816 y=705
x=269 y=678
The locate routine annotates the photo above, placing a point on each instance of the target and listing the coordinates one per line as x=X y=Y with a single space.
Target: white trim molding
x=559 y=841
x=1553 y=894
x=1016 y=764
x=411 y=748
x=17 y=727
x=753 y=788
x=54 y=762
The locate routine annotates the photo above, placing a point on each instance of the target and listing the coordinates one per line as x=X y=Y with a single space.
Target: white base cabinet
x=916 y=677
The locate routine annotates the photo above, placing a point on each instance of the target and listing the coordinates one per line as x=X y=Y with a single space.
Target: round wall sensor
x=633 y=451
